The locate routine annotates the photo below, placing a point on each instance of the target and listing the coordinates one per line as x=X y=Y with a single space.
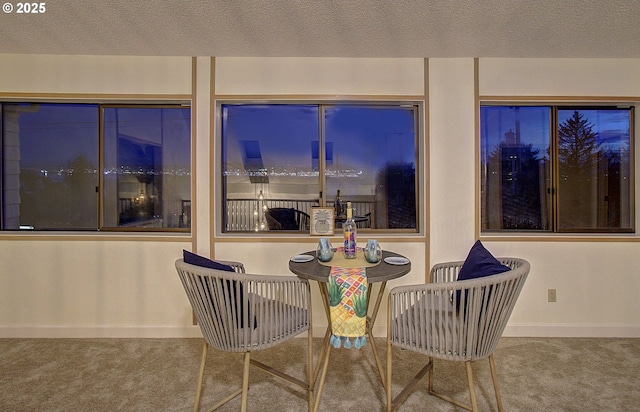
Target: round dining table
x=391 y=266
x=382 y=272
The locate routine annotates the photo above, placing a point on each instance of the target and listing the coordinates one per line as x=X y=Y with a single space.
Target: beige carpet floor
x=536 y=374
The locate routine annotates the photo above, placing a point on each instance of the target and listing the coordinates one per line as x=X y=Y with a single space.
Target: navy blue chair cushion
x=197 y=260
x=479 y=263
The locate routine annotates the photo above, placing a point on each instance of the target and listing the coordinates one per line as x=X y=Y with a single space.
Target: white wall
x=91 y=288
x=101 y=285
x=597 y=282
x=559 y=77
x=451 y=162
x=86 y=285
x=324 y=77
x=42 y=74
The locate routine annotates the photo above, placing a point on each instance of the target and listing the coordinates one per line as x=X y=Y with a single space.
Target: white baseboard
x=544 y=331
x=522 y=330
x=100 y=332
x=573 y=331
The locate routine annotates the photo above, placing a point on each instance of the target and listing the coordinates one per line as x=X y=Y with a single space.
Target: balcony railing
x=247 y=215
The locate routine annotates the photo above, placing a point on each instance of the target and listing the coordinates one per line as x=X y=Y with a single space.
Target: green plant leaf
x=335 y=292
x=360 y=304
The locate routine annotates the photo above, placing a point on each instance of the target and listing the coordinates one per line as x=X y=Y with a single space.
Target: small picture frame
x=322 y=222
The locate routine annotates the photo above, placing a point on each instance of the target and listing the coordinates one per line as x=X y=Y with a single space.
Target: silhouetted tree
x=578 y=147
x=579 y=153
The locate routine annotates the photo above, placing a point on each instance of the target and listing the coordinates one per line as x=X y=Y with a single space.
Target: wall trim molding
x=117 y=332
x=564 y=330
x=559 y=330
x=71 y=332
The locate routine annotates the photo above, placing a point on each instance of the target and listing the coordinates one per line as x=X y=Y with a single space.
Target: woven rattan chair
x=239 y=312
x=452 y=320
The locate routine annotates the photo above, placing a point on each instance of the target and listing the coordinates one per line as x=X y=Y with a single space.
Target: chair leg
x=388 y=380
x=408 y=388
x=310 y=381
x=472 y=391
x=203 y=360
x=496 y=387
x=323 y=376
x=245 y=380
x=431 y=376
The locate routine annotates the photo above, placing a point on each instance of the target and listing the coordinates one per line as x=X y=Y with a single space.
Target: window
x=556 y=168
x=95 y=167
x=279 y=160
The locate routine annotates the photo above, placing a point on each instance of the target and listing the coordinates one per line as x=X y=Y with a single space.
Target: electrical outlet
x=551 y=295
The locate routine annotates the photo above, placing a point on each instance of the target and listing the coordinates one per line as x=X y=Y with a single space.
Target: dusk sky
x=55 y=134
x=612 y=126
x=362 y=138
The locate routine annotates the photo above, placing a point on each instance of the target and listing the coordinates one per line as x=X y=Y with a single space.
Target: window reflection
x=50 y=166
x=146 y=167
x=594 y=168
x=515 y=153
x=569 y=175
x=273 y=156
x=268 y=162
x=373 y=162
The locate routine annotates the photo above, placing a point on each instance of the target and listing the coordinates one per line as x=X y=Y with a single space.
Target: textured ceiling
x=327 y=28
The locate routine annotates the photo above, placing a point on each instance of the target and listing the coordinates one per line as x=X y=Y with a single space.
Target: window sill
x=561 y=237
x=97 y=236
